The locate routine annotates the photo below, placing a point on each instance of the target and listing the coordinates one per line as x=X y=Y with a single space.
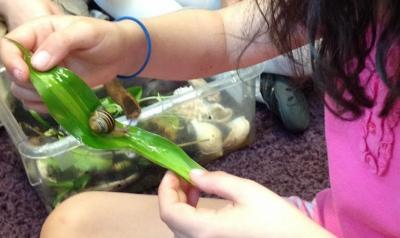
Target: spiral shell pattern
x=101 y=122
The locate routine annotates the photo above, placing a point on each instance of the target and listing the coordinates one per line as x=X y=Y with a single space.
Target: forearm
x=185 y=45
x=4 y=5
x=198 y=50
x=307 y=228
x=203 y=43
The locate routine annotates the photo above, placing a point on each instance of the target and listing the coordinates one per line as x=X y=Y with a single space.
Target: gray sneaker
x=286 y=101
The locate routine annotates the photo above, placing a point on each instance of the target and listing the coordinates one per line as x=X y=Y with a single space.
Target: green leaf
x=80 y=160
x=39 y=119
x=81 y=182
x=65 y=189
x=112 y=107
x=86 y=161
x=71 y=102
x=135 y=92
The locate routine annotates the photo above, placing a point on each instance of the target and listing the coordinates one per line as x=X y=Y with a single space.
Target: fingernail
x=18 y=75
x=40 y=59
x=197 y=172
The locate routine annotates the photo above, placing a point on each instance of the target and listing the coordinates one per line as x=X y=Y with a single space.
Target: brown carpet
x=288 y=164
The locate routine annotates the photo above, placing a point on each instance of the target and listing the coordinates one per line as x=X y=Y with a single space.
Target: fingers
x=13 y=61
x=219 y=183
x=27 y=35
x=52 y=51
x=59 y=44
x=177 y=214
x=36 y=106
x=172 y=205
x=193 y=196
x=170 y=189
x=185 y=192
x=28 y=97
x=224 y=185
x=25 y=93
x=51 y=39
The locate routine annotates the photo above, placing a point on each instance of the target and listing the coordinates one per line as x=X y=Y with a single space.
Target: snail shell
x=101 y=122
x=240 y=129
x=209 y=137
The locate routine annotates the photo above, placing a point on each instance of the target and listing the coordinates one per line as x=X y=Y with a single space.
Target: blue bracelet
x=148 y=41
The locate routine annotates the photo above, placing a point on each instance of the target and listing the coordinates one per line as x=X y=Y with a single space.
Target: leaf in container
x=71 y=102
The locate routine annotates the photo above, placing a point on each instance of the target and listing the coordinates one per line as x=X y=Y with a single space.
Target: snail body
x=101 y=122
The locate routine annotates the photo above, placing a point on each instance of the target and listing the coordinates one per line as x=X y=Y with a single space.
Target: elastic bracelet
x=148 y=41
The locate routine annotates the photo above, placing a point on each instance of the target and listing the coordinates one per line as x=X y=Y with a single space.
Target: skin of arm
x=186 y=44
x=17 y=12
x=211 y=44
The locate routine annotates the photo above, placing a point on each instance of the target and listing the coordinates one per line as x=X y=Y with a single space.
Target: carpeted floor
x=288 y=164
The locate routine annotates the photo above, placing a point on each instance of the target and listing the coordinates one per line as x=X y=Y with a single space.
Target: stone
x=74 y=7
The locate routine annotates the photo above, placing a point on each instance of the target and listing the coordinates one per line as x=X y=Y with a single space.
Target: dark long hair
x=343 y=26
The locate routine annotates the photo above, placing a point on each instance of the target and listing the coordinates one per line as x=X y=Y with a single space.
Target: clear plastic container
x=207 y=118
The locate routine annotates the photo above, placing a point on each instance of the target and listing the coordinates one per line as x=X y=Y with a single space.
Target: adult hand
x=17 y=12
x=252 y=210
x=96 y=50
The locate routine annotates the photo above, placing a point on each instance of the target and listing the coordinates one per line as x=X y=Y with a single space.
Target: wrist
x=134 y=45
x=311 y=229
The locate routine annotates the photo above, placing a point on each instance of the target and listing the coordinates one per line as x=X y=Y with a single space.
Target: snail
x=101 y=122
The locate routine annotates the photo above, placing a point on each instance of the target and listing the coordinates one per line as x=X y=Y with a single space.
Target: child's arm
x=19 y=11
x=198 y=43
x=186 y=44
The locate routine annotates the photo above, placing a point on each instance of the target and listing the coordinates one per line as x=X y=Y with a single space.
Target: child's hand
x=94 y=49
x=18 y=12
x=253 y=211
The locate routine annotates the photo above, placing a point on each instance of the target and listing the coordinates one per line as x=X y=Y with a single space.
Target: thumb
x=222 y=184
x=60 y=43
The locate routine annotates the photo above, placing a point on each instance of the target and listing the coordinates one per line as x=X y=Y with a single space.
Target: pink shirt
x=364 y=168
